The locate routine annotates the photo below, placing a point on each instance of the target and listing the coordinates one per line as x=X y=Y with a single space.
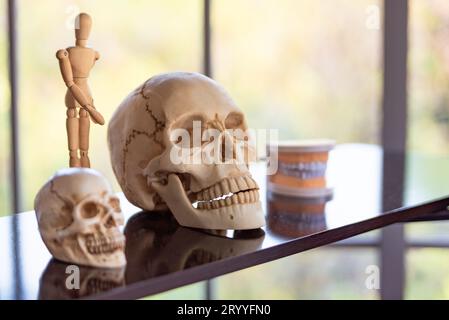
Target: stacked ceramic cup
x=301 y=168
x=298 y=191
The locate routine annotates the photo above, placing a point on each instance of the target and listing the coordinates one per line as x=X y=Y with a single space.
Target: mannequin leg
x=72 y=125
x=84 y=138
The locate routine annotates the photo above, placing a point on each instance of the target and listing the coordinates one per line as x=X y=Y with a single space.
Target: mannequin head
x=83 y=24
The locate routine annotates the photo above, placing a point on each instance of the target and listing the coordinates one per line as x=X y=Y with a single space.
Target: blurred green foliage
x=306 y=68
x=287 y=69
x=194 y=291
x=324 y=273
x=429 y=77
x=136 y=39
x=316 y=274
x=427 y=276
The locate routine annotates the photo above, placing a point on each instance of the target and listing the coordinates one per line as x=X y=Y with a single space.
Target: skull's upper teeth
x=100 y=243
x=225 y=187
x=228 y=192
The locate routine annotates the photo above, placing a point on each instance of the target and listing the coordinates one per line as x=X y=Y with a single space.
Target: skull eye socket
x=91 y=209
x=188 y=122
x=115 y=204
x=182 y=131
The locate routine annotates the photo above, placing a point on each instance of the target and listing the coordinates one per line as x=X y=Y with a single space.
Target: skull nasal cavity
x=90 y=210
x=110 y=223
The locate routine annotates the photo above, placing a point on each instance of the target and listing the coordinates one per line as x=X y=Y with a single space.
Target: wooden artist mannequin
x=75 y=64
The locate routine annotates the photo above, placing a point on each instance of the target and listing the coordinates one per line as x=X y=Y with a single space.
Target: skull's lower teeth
x=103 y=244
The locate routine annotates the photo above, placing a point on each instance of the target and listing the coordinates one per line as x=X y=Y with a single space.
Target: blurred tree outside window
x=307 y=68
x=428 y=108
x=136 y=40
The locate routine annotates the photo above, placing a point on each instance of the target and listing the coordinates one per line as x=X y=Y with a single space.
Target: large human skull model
x=79 y=218
x=141 y=139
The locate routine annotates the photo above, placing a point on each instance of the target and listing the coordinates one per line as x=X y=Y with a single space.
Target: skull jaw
x=114 y=259
x=72 y=250
x=235 y=217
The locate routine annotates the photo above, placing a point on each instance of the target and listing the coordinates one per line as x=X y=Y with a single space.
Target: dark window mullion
x=207 y=70
x=394 y=136
x=207 y=61
x=14 y=114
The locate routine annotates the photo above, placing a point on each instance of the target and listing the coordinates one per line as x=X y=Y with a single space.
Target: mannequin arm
x=77 y=93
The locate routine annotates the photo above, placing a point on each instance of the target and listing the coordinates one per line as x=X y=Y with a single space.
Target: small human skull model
x=208 y=194
x=79 y=218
